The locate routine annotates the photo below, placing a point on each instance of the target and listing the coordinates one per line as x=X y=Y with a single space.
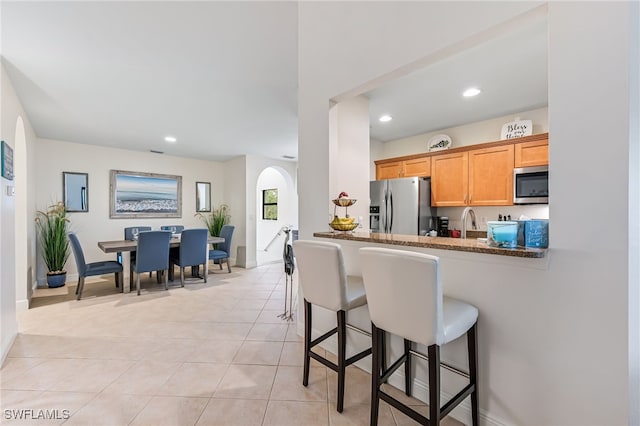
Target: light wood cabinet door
x=417 y=167
x=535 y=153
x=449 y=179
x=491 y=176
x=389 y=170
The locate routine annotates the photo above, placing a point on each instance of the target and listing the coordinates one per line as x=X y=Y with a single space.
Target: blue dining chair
x=152 y=254
x=94 y=268
x=128 y=235
x=221 y=252
x=192 y=251
x=179 y=228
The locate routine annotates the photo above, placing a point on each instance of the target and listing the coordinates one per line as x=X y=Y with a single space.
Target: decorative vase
x=57 y=279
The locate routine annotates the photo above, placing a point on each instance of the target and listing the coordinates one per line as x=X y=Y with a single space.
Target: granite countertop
x=471 y=245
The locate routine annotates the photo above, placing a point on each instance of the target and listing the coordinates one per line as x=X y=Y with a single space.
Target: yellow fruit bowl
x=343 y=226
x=344 y=202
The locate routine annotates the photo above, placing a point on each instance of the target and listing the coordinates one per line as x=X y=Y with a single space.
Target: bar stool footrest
x=403 y=408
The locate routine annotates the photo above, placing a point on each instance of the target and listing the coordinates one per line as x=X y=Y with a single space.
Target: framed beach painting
x=137 y=194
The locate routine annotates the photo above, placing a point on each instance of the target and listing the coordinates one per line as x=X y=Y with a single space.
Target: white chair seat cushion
x=459 y=317
x=355 y=292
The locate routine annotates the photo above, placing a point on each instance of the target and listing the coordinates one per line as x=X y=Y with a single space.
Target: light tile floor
x=206 y=354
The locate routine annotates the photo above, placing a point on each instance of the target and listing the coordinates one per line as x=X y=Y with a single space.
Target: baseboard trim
x=6 y=347
x=22 y=305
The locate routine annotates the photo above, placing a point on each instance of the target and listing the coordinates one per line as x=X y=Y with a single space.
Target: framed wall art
x=137 y=194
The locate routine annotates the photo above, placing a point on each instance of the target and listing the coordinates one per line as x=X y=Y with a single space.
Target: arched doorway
x=22 y=274
x=274 y=184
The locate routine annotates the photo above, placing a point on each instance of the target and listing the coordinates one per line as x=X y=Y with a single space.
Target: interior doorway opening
x=276 y=208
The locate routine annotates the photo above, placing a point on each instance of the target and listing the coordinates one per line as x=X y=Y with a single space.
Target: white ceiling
x=511 y=71
x=222 y=77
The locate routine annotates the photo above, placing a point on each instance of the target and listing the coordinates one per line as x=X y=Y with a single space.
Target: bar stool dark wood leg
x=472 y=347
x=407 y=367
x=434 y=385
x=342 y=349
x=377 y=341
x=307 y=342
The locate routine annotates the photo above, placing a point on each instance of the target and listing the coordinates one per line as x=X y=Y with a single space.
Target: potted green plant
x=216 y=219
x=53 y=226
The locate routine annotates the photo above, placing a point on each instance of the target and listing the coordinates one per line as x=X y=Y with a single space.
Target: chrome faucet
x=468 y=211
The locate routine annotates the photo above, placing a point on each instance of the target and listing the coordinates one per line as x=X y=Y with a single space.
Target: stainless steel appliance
x=531 y=185
x=401 y=206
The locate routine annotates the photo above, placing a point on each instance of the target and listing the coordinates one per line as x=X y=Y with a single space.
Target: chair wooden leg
x=205 y=268
x=434 y=385
x=376 y=352
x=80 y=287
x=220 y=263
x=119 y=280
x=472 y=348
x=138 y=283
x=342 y=349
x=166 y=279
x=228 y=265
x=307 y=342
x=182 y=276
x=131 y=277
x=407 y=367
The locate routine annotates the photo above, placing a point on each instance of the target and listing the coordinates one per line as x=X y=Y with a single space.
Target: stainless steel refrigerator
x=401 y=206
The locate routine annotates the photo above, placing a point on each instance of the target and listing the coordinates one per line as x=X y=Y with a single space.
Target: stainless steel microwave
x=531 y=185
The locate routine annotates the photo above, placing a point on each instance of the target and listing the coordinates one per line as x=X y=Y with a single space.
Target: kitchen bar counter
x=471 y=245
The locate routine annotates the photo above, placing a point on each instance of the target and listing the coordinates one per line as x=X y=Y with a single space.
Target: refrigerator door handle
x=385 y=217
x=391 y=219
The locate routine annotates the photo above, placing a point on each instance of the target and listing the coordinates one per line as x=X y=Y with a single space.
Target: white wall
x=266 y=230
x=10 y=290
x=54 y=157
x=467 y=134
x=351 y=121
x=554 y=349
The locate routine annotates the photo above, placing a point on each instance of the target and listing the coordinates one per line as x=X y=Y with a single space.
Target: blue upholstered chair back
x=128 y=235
x=227 y=233
x=179 y=228
x=81 y=264
x=193 y=247
x=153 y=251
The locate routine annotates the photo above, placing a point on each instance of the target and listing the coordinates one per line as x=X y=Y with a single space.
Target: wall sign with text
x=517 y=129
x=7 y=161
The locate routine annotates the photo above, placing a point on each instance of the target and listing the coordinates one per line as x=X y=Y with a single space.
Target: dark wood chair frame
x=343 y=363
x=380 y=375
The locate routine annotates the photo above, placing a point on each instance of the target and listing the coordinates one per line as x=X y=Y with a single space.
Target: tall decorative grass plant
x=216 y=219
x=52 y=227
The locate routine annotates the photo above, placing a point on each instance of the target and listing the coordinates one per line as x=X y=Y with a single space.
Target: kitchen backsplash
x=484 y=214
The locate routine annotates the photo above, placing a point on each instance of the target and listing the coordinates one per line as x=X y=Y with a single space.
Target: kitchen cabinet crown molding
x=532 y=138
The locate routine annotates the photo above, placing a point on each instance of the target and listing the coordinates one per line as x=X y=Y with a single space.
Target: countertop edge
x=455 y=244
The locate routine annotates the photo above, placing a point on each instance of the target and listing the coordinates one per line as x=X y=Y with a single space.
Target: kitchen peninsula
x=492 y=279
x=471 y=245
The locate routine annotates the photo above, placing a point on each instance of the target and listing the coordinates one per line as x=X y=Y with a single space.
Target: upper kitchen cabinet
x=491 y=176
x=411 y=167
x=534 y=153
x=477 y=177
x=450 y=179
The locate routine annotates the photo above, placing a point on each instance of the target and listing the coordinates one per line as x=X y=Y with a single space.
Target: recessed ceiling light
x=170 y=139
x=385 y=118
x=473 y=91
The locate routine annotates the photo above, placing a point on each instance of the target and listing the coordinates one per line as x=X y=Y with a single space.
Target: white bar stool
x=325 y=283
x=404 y=293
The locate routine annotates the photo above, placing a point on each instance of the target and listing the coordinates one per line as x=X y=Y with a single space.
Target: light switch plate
x=11 y=190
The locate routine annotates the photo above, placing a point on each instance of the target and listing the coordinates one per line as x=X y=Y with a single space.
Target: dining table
x=127 y=246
